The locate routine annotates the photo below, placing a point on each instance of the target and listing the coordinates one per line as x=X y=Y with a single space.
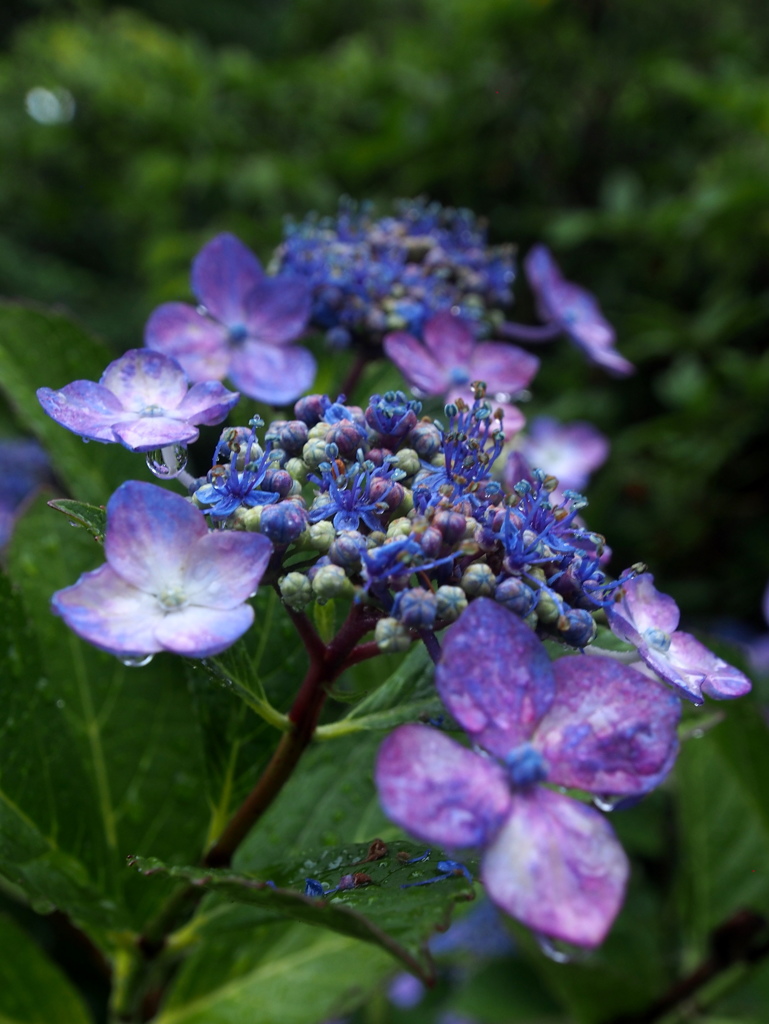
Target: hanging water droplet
x=137 y=662
x=559 y=952
x=78 y=526
x=60 y=704
x=167 y=463
x=86 y=440
x=697 y=734
x=607 y=803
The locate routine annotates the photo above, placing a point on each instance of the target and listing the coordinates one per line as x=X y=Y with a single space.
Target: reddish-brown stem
x=327 y=662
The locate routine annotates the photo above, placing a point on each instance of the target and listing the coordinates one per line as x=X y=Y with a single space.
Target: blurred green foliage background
x=632 y=137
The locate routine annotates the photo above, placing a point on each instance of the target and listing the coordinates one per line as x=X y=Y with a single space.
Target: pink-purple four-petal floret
x=593 y=724
x=169 y=584
x=142 y=401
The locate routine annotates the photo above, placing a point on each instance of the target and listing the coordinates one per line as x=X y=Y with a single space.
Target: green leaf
x=92 y=517
x=97 y=761
x=398 y=919
x=286 y=975
x=32 y=989
x=37 y=349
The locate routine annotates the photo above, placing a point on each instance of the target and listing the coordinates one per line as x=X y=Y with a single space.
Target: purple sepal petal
x=277 y=309
x=272 y=374
x=609 y=730
x=143 y=377
x=557 y=867
x=203 y=632
x=208 y=402
x=85 y=408
x=494 y=676
x=568 y=451
x=449 y=340
x=688 y=684
x=198 y=344
x=223 y=273
x=110 y=613
x=439 y=791
x=701 y=668
x=415 y=363
x=147 y=433
x=503 y=367
x=223 y=568
x=642 y=608
x=149 y=534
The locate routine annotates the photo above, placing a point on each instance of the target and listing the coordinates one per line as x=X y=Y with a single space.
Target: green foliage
x=91 y=517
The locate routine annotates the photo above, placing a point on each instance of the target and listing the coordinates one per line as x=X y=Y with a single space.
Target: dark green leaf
x=399 y=919
x=92 y=517
x=32 y=989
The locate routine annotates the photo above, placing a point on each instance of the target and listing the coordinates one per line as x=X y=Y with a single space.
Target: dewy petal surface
x=143 y=377
x=703 y=671
x=494 y=676
x=272 y=374
x=145 y=433
x=449 y=340
x=416 y=364
x=438 y=790
x=643 y=607
x=223 y=568
x=110 y=613
x=149 y=533
x=202 y=632
x=277 y=309
x=198 y=344
x=207 y=402
x=85 y=408
x=503 y=367
x=609 y=730
x=223 y=273
x=557 y=867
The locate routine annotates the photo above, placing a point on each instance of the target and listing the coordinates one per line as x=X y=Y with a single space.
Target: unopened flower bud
x=515 y=596
x=331 y=581
x=425 y=439
x=250 y=518
x=549 y=607
x=348 y=437
x=309 y=409
x=478 y=580
x=399 y=527
x=391 y=636
x=277 y=480
x=321 y=535
x=298 y=470
x=290 y=435
x=451 y=525
x=296 y=590
x=346 y=550
x=431 y=542
x=407 y=461
x=417 y=608
x=314 y=452
x=283 y=522
x=581 y=628
x=451 y=602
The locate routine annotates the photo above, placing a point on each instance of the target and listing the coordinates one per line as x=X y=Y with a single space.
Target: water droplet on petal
x=167 y=463
x=607 y=803
x=137 y=662
x=86 y=440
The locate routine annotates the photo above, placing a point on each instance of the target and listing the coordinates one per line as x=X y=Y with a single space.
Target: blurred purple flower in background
x=142 y=401
x=168 y=584
x=591 y=724
x=450 y=359
x=24 y=468
x=568 y=451
x=648 y=619
x=245 y=327
x=573 y=310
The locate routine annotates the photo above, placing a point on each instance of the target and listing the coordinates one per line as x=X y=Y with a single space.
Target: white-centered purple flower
x=450 y=359
x=169 y=584
x=649 y=620
x=568 y=451
x=585 y=723
x=573 y=309
x=142 y=401
x=245 y=327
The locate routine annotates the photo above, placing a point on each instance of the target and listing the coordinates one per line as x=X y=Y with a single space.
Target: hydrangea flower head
x=644 y=617
x=369 y=276
x=168 y=583
x=245 y=327
x=592 y=724
x=142 y=401
x=574 y=310
x=450 y=359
